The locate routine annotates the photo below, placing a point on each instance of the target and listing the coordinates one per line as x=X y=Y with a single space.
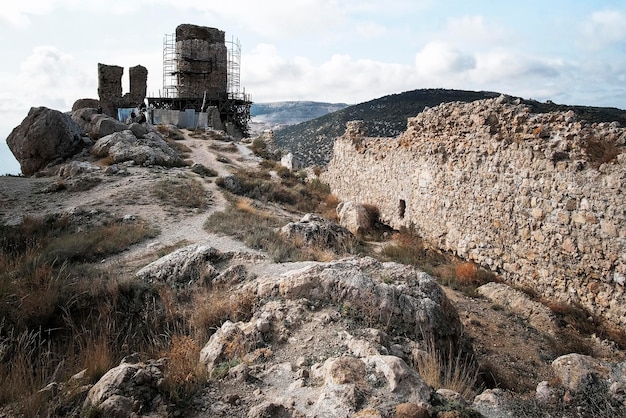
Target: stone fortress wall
x=523 y=194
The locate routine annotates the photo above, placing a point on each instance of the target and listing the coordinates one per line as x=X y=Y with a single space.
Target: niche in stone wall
x=402 y=208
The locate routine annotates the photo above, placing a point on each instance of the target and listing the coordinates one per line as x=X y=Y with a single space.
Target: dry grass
x=228 y=147
x=184 y=374
x=407 y=247
x=213 y=307
x=182 y=192
x=290 y=189
x=258 y=228
x=447 y=370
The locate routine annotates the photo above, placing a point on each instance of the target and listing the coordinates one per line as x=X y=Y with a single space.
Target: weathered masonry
x=110 y=88
x=539 y=198
x=201 y=81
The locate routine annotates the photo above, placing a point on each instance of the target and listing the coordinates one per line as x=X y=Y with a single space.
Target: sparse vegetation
x=287 y=189
x=60 y=316
x=257 y=228
x=593 y=400
x=447 y=369
x=259 y=148
x=183 y=192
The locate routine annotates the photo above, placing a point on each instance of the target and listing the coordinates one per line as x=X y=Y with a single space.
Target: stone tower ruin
x=201 y=75
x=201 y=61
x=110 y=87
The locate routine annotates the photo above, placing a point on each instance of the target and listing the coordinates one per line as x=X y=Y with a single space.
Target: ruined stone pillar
x=110 y=87
x=138 y=84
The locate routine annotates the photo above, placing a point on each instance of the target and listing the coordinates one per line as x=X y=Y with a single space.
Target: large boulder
x=315 y=230
x=406 y=299
x=85 y=103
x=355 y=217
x=95 y=124
x=151 y=149
x=128 y=389
x=183 y=266
x=44 y=136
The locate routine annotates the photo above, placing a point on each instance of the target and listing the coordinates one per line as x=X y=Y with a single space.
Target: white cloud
x=438 y=59
x=17 y=13
x=341 y=78
x=48 y=77
x=604 y=28
x=498 y=65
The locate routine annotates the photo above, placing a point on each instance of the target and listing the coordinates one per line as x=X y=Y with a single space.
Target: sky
x=341 y=51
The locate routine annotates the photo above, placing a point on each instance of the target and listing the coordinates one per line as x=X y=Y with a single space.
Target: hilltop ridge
x=311 y=141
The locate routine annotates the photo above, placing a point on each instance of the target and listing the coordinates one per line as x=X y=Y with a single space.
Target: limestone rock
x=74 y=168
x=97 y=125
x=231 y=183
x=354 y=217
x=416 y=303
x=185 y=265
x=85 y=103
x=128 y=388
x=539 y=315
x=401 y=379
x=228 y=343
x=315 y=230
x=44 y=136
x=346 y=383
x=575 y=371
x=151 y=149
x=290 y=161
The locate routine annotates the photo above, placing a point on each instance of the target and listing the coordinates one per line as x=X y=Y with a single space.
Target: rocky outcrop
x=530 y=196
x=97 y=125
x=516 y=301
x=354 y=216
x=151 y=149
x=130 y=389
x=313 y=230
x=45 y=136
x=184 y=266
x=576 y=371
x=407 y=300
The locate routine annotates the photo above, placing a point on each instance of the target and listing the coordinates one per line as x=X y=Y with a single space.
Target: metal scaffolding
x=234 y=66
x=233 y=104
x=170 y=80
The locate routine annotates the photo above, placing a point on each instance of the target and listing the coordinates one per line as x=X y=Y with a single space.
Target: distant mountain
x=290 y=113
x=312 y=141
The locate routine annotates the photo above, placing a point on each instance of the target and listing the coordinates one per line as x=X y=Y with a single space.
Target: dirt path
x=130 y=195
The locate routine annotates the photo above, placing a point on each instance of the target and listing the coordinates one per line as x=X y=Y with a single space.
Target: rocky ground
x=308 y=355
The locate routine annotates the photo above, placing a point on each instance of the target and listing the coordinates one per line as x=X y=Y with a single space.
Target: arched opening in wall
x=402 y=208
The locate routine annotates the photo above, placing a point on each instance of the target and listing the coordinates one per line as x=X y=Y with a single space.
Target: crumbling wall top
x=187 y=31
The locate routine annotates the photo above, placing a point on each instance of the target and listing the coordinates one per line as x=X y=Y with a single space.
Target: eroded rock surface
x=44 y=136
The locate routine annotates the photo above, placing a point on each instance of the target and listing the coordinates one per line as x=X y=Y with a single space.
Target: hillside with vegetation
x=272 y=115
x=312 y=141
